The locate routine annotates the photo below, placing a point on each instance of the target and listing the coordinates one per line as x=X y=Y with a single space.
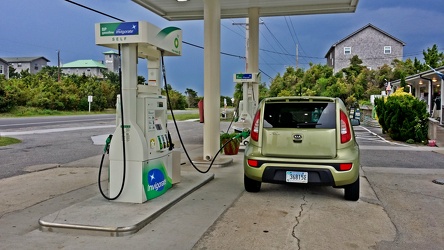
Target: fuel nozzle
x=244 y=134
x=107 y=142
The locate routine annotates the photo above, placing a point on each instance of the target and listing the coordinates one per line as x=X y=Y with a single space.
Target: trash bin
x=200 y=104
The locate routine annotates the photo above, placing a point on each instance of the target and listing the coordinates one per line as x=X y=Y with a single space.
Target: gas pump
x=248 y=104
x=140 y=154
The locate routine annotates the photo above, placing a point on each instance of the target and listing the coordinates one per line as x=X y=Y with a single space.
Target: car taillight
x=253 y=163
x=254 y=134
x=345 y=128
x=345 y=166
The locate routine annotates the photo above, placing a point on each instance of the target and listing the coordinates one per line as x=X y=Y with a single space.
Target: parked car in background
x=303 y=140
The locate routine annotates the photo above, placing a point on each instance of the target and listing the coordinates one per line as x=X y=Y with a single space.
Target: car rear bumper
x=320 y=173
x=315 y=176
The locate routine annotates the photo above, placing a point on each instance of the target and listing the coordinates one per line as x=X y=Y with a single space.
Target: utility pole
x=246 y=41
x=297 y=56
x=58 y=65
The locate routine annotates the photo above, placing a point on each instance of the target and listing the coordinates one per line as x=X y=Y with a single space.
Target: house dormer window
x=387 y=49
x=347 y=50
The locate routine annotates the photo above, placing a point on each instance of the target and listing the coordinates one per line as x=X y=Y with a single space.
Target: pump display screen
x=159 y=126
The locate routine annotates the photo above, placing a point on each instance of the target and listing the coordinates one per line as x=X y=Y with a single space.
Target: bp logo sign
x=176 y=42
x=155 y=179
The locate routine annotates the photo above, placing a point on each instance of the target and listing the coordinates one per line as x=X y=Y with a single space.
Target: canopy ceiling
x=193 y=9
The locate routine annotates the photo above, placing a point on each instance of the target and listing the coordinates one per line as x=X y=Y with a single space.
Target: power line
x=190 y=44
x=291 y=33
x=235 y=32
x=292 y=55
x=223 y=53
x=276 y=40
x=271 y=45
x=299 y=45
x=91 y=9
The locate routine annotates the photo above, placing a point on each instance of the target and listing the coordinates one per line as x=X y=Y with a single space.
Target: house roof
x=23 y=59
x=417 y=78
x=110 y=52
x=3 y=61
x=84 y=64
x=359 y=30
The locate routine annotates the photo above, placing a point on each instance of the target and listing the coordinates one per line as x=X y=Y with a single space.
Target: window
x=1 y=69
x=19 y=65
x=387 y=49
x=36 y=66
x=347 y=50
x=300 y=115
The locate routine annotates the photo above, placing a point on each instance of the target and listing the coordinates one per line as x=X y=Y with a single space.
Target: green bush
x=403 y=117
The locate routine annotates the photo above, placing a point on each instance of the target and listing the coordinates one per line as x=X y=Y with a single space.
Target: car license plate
x=297 y=177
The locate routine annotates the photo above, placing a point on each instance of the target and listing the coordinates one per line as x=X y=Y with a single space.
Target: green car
x=303 y=140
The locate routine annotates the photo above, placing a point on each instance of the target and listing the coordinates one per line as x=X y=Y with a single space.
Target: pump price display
x=296 y=177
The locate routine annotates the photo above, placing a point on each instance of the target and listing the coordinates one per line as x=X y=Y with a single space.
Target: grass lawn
x=29 y=112
x=5 y=141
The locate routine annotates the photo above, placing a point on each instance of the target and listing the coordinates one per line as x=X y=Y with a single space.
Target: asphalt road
x=50 y=140
x=59 y=140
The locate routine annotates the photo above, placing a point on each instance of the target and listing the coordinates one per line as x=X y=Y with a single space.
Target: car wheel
x=251 y=185
x=351 y=192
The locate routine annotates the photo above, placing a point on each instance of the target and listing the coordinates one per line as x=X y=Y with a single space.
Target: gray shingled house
x=372 y=45
x=33 y=64
x=4 y=68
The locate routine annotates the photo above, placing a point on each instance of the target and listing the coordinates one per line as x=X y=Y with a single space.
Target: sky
x=41 y=28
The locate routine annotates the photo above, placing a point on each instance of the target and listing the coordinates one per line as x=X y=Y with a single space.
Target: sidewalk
x=65 y=199
x=378 y=131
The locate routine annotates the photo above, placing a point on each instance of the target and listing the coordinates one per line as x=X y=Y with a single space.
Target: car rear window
x=300 y=115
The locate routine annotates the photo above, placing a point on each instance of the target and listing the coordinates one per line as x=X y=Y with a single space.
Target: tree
x=191 y=97
x=141 y=80
x=433 y=57
x=13 y=73
x=112 y=77
x=175 y=98
x=403 y=116
x=51 y=71
x=355 y=67
x=238 y=93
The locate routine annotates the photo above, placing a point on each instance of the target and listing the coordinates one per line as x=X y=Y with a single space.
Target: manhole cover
x=439 y=181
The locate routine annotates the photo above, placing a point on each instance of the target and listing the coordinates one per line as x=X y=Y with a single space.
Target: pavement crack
x=389 y=215
x=301 y=209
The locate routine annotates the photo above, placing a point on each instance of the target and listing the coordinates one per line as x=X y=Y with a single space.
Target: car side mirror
x=355 y=122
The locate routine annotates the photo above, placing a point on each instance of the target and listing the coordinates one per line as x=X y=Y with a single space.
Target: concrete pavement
x=398 y=209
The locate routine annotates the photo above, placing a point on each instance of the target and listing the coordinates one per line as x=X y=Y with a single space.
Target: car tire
x=351 y=192
x=251 y=185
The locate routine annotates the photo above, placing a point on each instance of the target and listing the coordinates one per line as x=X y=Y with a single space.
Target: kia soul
x=303 y=140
